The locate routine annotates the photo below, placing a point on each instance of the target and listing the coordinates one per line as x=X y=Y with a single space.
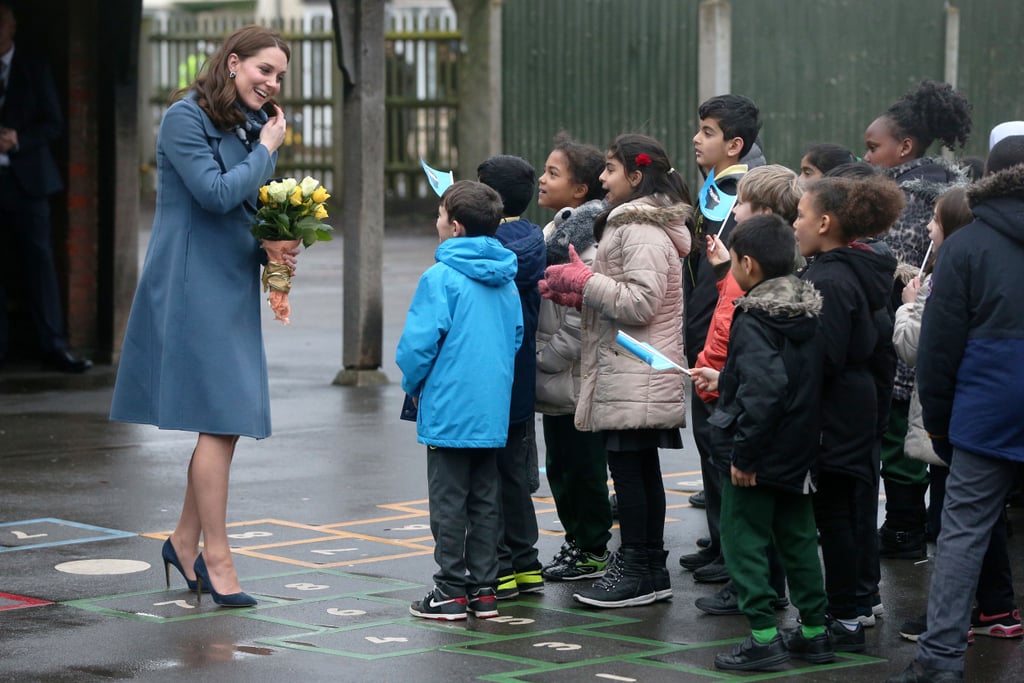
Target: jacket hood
x=788 y=304
x=479 y=258
x=928 y=177
x=873 y=270
x=657 y=210
x=998 y=200
x=526 y=241
x=572 y=226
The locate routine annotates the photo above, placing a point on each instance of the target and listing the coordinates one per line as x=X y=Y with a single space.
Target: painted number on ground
x=251 y=534
x=513 y=621
x=333 y=551
x=564 y=647
x=392 y=639
x=307 y=586
x=338 y=612
x=21 y=535
x=177 y=603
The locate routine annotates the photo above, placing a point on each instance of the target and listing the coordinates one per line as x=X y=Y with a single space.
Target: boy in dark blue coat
x=769 y=394
x=519 y=568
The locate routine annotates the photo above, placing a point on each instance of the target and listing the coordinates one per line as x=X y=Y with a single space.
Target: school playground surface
x=329 y=521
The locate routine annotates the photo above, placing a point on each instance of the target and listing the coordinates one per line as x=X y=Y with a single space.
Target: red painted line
x=21 y=600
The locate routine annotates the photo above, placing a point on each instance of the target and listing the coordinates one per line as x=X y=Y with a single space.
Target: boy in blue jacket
x=769 y=392
x=515 y=180
x=457 y=354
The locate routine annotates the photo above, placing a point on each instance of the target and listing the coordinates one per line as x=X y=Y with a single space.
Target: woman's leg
x=205 y=508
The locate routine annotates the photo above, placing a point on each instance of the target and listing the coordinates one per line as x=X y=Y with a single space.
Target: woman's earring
x=231 y=74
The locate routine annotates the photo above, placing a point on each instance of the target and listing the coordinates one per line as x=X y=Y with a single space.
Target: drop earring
x=231 y=74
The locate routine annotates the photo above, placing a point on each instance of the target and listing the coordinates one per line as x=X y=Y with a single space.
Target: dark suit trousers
x=25 y=227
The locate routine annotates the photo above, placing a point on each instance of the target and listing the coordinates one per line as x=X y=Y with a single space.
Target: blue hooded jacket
x=526 y=241
x=459 y=343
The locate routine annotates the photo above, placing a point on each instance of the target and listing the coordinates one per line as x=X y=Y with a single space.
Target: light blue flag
x=714 y=204
x=439 y=180
x=647 y=353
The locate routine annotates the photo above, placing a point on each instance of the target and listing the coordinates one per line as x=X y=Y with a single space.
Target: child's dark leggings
x=640 y=492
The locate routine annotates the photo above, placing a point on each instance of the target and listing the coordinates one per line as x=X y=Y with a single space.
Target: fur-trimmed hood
x=573 y=226
x=788 y=304
x=928 y=177
x=657 y=210
x=1006 y=183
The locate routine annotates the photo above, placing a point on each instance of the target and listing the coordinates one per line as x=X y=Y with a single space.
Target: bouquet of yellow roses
x=290 y=212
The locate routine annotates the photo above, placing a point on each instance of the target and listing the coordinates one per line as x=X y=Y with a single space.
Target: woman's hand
x=716 y=251
x=911 y=289
x=705 y=379
x=272 y=133
x=287 y=257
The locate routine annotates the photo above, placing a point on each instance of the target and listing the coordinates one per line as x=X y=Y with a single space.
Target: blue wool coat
x=193 y=356
x=458 y=347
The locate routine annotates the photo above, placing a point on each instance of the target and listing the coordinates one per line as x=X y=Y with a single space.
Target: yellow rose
x=320 y=195
x=320 y=213
x=296 y=198
x=265 y=194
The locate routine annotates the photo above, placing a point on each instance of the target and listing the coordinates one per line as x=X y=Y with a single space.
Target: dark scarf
x=249 y=130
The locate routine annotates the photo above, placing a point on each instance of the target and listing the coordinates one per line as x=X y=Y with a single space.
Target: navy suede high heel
x=230 y=600
x=171 y=558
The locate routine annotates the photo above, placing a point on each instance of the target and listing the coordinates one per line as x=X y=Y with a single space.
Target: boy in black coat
x=769 y=392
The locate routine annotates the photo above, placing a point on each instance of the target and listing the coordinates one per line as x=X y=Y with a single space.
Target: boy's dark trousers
x=517 y=519
x=711 y=475
x=753 y=518
x=463 y=492
x=577 y=468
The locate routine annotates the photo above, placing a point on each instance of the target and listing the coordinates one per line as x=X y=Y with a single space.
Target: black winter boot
x=626 y=583
x=656 y=558
x=903 y=534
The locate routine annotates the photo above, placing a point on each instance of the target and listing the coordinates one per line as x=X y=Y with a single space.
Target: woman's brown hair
x=215 y=90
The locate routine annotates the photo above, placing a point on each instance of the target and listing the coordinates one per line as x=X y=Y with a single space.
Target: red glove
x=573 y=299
x=569 y=277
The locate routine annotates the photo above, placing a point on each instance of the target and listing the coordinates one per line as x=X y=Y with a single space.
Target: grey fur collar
x=1007 y=183
x=647 y=211
x=783 y=297
x=929 y=188
x=572 y=226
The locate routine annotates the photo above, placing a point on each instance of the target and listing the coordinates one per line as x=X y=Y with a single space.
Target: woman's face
x=881 y=147
x=556 y=188
x=258 y=78
x=617 y=182
x=808 y=173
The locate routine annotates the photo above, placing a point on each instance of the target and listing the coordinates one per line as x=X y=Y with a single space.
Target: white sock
x=849 y=625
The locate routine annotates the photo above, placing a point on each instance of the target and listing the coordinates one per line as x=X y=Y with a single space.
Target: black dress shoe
x=725 y=602
x=704 y=542
x=816 y=650
x=697 y=500
x=915 y=673
x=697 y=560
x=845 y=640
x=753 y=656
x=712 y=573
x=63 y=361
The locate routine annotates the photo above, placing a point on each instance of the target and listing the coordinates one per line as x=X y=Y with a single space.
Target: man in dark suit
x=30 y=121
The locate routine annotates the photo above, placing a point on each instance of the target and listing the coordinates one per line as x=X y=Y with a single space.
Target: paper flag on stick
x=647 y=353
x=926 y=255
x=714 y=203
x=439 y=180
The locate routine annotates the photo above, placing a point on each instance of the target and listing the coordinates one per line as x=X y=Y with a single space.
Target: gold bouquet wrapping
x=277 y=277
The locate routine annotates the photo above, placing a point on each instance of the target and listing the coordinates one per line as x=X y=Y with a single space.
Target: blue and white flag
x=439 y=180
x=647 y=353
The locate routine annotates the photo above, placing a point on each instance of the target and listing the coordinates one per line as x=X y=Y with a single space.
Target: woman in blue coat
x=193 y=357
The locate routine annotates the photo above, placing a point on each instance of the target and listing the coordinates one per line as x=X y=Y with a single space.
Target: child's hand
x=716 y=251
x=741 y=478
x=573 y=299
x=911 y=289
x=706 y=379
x=570 y=277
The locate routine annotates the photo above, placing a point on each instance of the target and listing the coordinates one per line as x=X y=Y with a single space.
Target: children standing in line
x=729 y=125
x=577 y=464
x=635 y=286
x=518 y=567
x=770 y=393
x=764 y=190
x=464 y=325
x=855 y=282
x=898 y=141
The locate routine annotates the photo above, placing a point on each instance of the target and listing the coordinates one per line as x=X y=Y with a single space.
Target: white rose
x=308 y=185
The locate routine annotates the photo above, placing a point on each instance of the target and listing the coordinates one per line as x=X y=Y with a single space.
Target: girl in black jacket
x=856 y=324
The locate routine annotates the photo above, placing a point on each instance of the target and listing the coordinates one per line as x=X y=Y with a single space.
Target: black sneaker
x=711 y=573
x=659 y=574
x=816 y=650
x=753 y=656
x=483 y=603
x=626 y=583
x=915 y=673
x=704 y=542
x=507 y=586
x=560 y=559
x=437 y=605
x=696 y=560
x=845 y=640
x=725 y=602
x=912 y=630
x=580 y=565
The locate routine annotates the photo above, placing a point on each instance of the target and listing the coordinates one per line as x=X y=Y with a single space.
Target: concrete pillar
x=361 y=24
x=479 y=134
x=714 y=59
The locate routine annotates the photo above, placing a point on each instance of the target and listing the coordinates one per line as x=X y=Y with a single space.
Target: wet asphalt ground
x=328 y=518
